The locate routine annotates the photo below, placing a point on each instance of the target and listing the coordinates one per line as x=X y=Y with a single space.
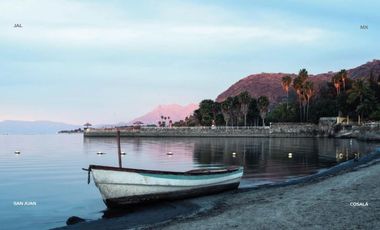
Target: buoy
x=100 y=153
x=233 y=154
x=17 y=152
x=123 y=153
x=169 y=153
x=290 y=155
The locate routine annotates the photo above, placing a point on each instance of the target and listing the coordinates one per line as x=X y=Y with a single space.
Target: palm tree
x=297 y=85
x=303 y=75
x=363 y=95
x=303 y=102
x=286 y=81
x=343 y=77
x=226 y=109
x=336 y=81
x=244 y=99
x=235 y=110
x=309 y=91
x=263 y=104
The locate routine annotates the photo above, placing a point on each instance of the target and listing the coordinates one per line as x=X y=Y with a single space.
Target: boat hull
x=120 y=187
x=167 y=196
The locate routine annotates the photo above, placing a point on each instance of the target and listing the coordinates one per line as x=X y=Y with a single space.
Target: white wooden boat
x=125 y=186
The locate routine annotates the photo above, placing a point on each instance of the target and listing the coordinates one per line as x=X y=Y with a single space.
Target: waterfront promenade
x=366 y=132
x=274 y=130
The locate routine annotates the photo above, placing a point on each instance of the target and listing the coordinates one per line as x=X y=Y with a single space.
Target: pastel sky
x=111 y=61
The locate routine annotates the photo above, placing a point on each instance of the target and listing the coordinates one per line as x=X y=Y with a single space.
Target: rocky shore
x=345 y=197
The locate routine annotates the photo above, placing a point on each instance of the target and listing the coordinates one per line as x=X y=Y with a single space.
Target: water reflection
x=49 y=167
x=343 y=150
x=263 y=158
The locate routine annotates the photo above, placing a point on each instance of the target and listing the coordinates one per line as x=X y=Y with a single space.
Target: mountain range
x=174 y=111
x=269 y=84
x=34 y=127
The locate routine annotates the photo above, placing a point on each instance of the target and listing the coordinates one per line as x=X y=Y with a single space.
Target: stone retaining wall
x=293 y=130
x=275 y=130
x=370 y=132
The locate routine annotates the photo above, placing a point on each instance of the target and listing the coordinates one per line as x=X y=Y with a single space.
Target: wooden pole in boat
x=119 y=147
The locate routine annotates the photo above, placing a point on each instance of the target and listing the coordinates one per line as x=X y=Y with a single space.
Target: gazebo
x=138 y=123
x=87 y=125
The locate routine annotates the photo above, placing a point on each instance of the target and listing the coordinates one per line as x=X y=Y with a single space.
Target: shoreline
x=346 y=201
x=367 y=132
x=275 y=130
x=317 y=201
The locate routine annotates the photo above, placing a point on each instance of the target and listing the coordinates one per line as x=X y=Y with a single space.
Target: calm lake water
x=48 y=172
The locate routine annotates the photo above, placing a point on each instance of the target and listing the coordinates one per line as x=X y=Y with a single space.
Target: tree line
x=342 y=96
x=240 y=110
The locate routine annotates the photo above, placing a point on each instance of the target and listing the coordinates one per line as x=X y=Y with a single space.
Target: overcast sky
x=111 y=61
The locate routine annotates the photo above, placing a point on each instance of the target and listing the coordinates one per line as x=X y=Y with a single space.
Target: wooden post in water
x=119 y=148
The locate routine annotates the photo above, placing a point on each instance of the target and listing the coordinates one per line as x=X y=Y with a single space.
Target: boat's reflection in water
x=144 y=214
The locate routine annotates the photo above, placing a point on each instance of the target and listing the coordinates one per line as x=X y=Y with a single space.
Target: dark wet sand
x=318 y=203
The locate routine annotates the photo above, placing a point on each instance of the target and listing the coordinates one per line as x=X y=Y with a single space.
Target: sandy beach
x=327 y=204
x=346 y=199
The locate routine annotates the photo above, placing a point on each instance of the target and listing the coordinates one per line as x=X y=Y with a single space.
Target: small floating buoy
x=290 y=155
x=233 y=154
x=169 y=153
x=100 y=153
x=123 y=153
x=17 y=152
